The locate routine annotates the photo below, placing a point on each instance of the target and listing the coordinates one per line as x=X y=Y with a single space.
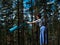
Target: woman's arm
x=39 y=20
x=31 y=22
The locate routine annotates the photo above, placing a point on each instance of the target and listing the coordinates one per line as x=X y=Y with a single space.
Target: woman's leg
x=42 y=29
x=45 y=36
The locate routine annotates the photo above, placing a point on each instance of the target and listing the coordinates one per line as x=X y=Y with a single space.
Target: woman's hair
x=39 y=15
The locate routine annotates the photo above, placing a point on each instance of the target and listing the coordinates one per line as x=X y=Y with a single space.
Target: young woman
x=42 y=29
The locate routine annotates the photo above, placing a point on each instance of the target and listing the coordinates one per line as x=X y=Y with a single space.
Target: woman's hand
x=28 y=22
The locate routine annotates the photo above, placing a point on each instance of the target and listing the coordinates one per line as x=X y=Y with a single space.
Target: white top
x=38 y=21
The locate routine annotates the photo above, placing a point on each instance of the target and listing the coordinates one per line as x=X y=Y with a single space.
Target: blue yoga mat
x=13 y=28
x=16 y=27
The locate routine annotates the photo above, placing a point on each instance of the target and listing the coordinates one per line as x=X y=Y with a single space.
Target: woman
x=42 y=29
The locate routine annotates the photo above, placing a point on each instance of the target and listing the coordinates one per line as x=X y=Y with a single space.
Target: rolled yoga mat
x=13 y=28
x=17 y=27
